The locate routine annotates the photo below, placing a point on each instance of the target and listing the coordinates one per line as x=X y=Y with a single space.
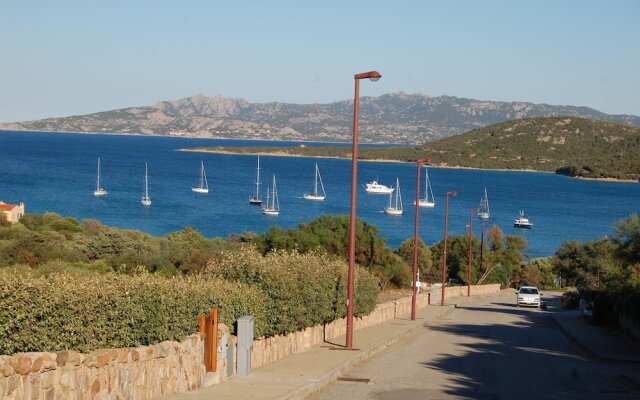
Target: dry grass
x=393 y=294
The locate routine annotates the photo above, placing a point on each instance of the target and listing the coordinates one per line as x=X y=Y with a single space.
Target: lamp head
x=371 y=75
x=453 y=194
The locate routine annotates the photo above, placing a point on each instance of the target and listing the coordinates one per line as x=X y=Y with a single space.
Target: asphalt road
x=488 y=350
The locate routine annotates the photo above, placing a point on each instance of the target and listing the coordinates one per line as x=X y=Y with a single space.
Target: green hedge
x=306 y=289
x=84 y=312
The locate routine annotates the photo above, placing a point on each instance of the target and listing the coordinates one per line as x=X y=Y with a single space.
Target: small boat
x=146 y=200
x=99 y=190
x=256 y=201
x=484 y=206
x=395 y=209
x=376 y=188
x=273 y=206
x=522 y=221
x=204 y=186
x=315 y=196
x=427 y=190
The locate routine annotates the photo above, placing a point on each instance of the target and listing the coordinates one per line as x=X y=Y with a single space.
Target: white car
x=528 y=296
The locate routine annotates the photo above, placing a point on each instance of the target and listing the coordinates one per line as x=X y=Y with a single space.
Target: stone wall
x=145 y=372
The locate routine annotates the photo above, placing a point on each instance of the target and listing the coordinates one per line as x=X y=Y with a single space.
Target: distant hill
x=571 y=146
x=391 y=118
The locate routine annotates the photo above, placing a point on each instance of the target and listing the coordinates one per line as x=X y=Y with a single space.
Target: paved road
x=488 y=350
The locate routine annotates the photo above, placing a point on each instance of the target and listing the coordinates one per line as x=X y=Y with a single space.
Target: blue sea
x=56 y=172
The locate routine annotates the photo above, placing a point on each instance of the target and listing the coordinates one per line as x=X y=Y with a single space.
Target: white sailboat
x=256 y=200
x=99 y=190
x=484 y=206
x=273 y=206
x=427 y=202
x=204 y=186
x=316 y=196
x=395 y=209
x=146 y=200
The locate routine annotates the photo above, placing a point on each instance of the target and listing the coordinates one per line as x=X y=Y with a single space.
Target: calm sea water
x=56 y=172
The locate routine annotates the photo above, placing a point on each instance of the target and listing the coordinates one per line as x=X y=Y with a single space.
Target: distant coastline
x=286 y=154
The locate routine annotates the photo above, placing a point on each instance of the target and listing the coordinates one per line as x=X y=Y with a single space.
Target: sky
x=61 y=58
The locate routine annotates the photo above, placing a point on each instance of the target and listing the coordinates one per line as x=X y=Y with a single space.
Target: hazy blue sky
x=61 y=57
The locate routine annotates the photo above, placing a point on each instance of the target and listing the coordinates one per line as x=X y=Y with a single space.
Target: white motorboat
x=376 y=188
x=316 y=196
x=99 y=190
x=204 y=186
x=395 y=209
x=522 y=221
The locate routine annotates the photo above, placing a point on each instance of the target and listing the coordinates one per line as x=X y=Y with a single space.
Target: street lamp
x=444 y=252
x=373 y=76
x=414 y=292
x=470 y=240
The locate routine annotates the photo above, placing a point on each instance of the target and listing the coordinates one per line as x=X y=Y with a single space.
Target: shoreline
x=285 y=154
x=197 y=136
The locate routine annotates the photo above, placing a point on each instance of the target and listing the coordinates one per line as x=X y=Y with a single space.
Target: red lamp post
x=373 y=76
x=444 y=252
x=470 y=241
x=414 y=293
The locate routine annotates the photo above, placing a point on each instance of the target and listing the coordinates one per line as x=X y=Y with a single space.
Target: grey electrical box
x=245 y=344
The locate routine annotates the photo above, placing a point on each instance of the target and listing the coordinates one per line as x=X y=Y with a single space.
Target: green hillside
x=572 y=146
x=565 y=145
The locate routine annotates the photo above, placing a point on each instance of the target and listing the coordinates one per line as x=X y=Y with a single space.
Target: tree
x=428 y=270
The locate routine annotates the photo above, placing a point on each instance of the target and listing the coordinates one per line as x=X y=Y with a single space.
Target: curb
x=590 y=352
x=328 y=378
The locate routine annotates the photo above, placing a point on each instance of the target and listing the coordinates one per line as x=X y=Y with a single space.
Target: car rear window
x=528 y=291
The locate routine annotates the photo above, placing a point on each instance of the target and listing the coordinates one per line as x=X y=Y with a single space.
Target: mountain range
x=390 y=118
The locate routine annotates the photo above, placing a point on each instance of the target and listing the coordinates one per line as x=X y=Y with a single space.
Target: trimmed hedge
x=83 y=312
x=306 y=289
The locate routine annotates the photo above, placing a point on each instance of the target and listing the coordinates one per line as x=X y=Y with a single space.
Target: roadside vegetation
x=606 y=272
x=570 y=146
x=75 y=285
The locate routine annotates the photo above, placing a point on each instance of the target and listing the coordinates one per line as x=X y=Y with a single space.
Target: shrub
x=83 y=312
x=305 y=289
x=570 y=300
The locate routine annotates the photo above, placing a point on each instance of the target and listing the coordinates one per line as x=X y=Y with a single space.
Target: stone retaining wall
x=268 y=350
x=150 y=372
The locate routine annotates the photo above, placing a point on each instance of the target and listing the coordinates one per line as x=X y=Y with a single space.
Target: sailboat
x=256 y=200
x=484 y=206
x=273 y=206
x=99 y=190
x=146 y=200
x=204 y=186
x=396 y=209
x=315 y=196
x=427 y=190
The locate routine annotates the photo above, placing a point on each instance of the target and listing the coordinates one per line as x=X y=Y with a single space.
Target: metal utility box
x=245 y=344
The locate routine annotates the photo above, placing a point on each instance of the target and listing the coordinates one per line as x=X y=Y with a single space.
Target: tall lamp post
x=414 y=293
x=373 y=76
x=470 y=240
x=444 y=252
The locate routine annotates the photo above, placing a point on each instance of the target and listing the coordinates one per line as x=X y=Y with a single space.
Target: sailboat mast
x=98 y=178
x=315 y=183
x=258 y=180
x=146 y=181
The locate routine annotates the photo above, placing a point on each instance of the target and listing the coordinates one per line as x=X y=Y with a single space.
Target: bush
x=305 y=289
x=570 y=300
x=83 y=312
